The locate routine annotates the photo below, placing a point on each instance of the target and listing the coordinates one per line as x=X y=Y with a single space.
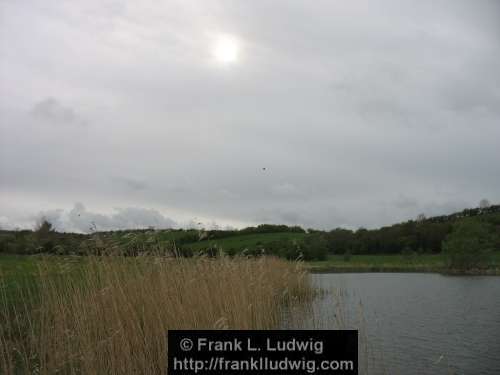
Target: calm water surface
x=415 y=323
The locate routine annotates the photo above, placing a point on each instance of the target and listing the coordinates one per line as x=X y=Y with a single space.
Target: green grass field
x=20 y=273
x=246 y=241
x=13 y=267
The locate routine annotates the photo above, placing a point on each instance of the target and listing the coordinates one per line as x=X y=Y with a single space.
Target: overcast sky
x=362 y=113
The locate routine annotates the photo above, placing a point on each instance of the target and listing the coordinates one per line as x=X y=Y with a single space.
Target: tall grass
x=110 y=315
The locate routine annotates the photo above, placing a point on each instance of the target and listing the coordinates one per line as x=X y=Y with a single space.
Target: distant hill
x=468 y=212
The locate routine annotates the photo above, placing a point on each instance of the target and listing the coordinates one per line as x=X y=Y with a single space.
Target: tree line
x=423 y=235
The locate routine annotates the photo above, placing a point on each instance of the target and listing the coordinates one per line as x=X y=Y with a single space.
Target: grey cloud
x=52 y=111
x=363 y=113
x=291 y=217
x=286 y=189
x=405 y=202
x=473 y=94
x=131 y=183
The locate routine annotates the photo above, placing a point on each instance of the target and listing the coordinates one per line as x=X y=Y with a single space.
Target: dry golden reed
x=110 y=315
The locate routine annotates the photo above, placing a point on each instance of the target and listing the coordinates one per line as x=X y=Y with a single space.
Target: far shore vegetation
x=467 y=242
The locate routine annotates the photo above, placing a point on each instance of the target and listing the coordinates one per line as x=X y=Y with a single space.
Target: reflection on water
x=411 y=323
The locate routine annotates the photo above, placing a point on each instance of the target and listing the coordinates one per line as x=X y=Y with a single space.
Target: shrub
x=315 y=247
x=468 y=246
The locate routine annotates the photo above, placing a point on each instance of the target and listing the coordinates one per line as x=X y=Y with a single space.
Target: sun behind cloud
x=226 y=49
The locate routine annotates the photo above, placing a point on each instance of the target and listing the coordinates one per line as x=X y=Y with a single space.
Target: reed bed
x=110 y=315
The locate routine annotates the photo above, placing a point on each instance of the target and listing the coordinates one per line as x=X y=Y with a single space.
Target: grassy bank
x=110 y=315
x=394 y=263
x=247 y=241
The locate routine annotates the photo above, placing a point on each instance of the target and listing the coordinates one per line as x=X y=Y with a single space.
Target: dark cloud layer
x=363 y=113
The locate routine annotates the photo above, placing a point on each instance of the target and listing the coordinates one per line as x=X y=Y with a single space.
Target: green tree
x=468 y=246
x=315 y=247
x=44 y=236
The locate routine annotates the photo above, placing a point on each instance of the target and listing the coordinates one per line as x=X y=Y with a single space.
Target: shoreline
x=400 y=269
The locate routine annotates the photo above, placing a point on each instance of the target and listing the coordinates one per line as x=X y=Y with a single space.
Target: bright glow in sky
x=226 y=49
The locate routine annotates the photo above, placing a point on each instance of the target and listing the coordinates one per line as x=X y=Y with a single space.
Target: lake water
x=413 y=323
